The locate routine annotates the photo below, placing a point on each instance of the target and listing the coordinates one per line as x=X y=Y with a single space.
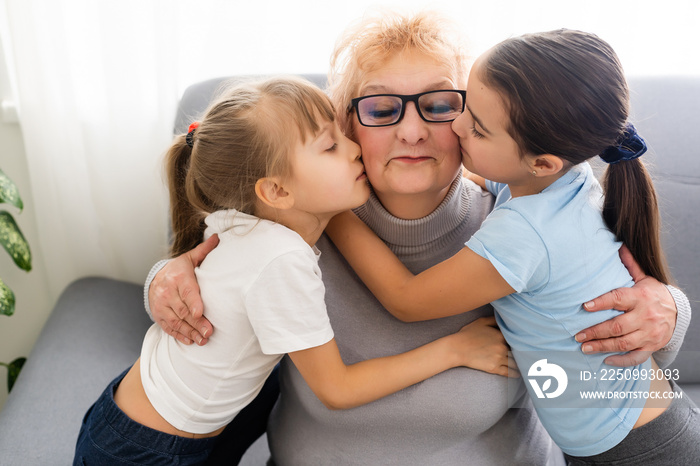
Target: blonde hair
x=245 y=135
x=368 y=44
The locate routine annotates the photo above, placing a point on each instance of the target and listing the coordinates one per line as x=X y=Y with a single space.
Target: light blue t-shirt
x=555 y=250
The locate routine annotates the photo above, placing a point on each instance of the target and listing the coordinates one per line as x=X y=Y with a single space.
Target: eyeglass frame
x=404 y=100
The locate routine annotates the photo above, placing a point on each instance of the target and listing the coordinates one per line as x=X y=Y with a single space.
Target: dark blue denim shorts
x=110 y=437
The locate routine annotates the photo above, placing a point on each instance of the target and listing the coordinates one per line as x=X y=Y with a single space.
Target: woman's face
x=412 y=160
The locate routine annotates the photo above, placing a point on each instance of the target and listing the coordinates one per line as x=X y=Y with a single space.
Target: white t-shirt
x=262 y=292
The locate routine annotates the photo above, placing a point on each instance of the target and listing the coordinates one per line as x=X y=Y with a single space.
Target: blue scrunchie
x=629 y=146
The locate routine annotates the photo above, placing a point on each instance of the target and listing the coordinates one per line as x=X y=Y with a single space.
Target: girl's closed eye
x=332 y=148
x=476 y=133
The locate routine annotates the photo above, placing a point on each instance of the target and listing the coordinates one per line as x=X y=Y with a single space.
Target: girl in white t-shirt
x=265 y=170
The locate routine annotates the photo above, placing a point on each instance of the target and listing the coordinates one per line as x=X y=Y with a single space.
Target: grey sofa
x=96 y=328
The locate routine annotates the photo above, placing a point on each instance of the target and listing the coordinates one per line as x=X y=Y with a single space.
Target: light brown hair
x=375 y=39
x=245 y=135
x=566 y=95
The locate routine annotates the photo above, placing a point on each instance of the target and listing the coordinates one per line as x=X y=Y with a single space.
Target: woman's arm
x=173 y=297
x=655 y=320
x=461 y=283
x=341 y=387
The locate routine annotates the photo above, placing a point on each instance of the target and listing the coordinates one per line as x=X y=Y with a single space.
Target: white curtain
x=96 y=92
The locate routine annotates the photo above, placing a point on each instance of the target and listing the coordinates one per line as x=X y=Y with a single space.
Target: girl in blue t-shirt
x=537 y=108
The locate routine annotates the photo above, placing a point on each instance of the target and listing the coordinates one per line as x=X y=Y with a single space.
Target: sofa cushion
x=94 y=333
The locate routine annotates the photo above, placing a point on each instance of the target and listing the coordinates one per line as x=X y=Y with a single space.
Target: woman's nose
x=412 y=128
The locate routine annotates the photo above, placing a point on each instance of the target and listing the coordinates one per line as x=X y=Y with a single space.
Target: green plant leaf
x=8 y=192
x=13 y=241
x=13 y=372
x=7 y=300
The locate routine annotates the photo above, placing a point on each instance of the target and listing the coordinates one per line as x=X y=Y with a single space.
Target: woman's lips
x=407 y=159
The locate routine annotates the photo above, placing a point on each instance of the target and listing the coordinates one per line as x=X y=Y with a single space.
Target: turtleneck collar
x=451 y=212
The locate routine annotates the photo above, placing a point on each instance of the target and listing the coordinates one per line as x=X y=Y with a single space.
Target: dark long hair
x=567 y=95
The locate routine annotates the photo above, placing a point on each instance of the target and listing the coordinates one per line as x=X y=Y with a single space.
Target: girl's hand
x=646 y=326
x=482 y=347
x=174 y=297
x=475 y=178
x=479 y=345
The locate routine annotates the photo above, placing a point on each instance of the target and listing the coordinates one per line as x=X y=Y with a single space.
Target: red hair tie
x=189 y=139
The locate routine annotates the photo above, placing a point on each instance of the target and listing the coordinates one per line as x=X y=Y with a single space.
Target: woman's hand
x=646 y=326
x=174 y=297
x=485 y=349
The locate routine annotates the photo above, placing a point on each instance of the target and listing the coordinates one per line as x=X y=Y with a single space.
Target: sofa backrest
x=666 y=112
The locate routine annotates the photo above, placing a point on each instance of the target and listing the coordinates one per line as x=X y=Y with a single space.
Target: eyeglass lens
x=385 y=110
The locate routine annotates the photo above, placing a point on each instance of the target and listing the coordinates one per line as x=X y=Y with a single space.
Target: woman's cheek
x=373 y=152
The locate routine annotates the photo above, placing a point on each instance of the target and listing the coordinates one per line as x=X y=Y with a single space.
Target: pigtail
x=631 y=212
x=187 y=221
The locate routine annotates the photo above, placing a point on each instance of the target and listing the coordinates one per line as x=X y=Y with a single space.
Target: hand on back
x=174 y=297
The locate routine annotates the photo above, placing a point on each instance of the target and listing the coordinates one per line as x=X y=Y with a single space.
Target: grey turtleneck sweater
x=461 y=416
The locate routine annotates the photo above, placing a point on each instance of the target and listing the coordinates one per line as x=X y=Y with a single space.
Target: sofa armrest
x=94 y=332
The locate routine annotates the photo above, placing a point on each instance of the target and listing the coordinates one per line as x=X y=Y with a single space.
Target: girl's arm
x=341 y=387
x=480 y=180
x=461 y=283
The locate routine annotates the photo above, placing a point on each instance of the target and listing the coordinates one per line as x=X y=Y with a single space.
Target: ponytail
x=186 y=220
x=631 y=212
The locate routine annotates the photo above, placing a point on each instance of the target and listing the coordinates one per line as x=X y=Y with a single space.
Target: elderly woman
x=425 y=211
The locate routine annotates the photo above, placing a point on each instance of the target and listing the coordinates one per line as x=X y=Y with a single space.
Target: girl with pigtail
x=265 y=170
x=537 y=108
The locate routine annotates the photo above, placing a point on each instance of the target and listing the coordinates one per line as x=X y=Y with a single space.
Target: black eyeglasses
x=388 y=109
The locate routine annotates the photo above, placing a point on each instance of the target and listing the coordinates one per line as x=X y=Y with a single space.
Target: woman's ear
x=271 y=192
x=546 y=164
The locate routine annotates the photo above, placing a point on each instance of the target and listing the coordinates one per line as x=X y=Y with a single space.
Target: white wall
x=651 y=37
